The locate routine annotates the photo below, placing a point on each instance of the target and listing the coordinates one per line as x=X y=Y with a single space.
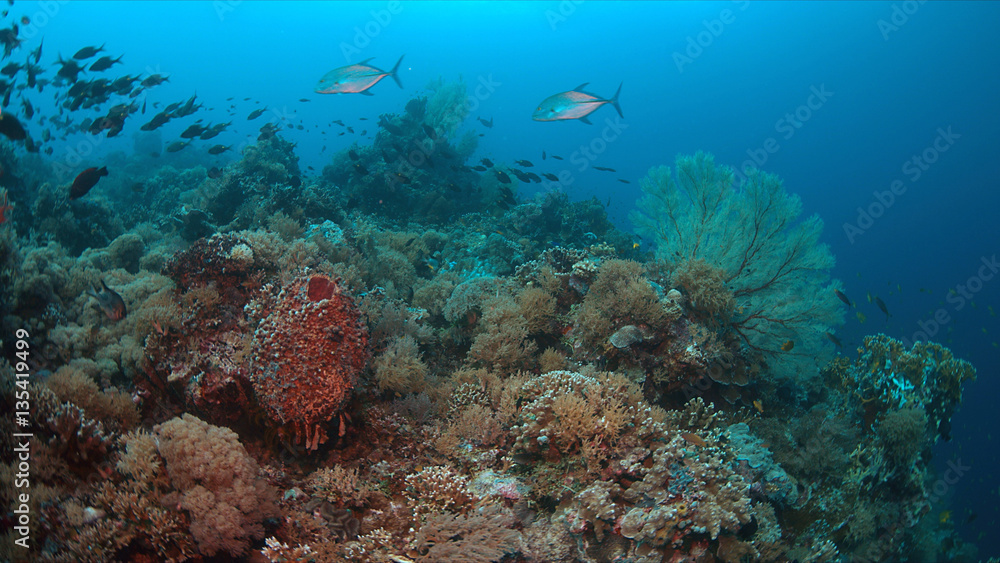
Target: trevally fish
x=355 y=79
x=575 y=104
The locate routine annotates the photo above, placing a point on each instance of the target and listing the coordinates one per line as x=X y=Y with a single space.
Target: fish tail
x=394 y=73
x=614 y=101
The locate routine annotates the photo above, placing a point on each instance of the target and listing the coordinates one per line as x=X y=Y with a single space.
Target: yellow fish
x=787 y=346
x=992 y=313
x=758 y=405
x=635 y=245
x=944 y=517
x=861 y=317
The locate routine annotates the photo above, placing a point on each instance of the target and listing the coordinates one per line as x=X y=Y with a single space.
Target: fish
x=355 y=79
x=69 y=70
x=502 y=177
x=158 y=120
x=758 y=405
x=550 y=177
x=154 y=80
x=556 y=157
x=694 y=439
x=487 y=124
x=574 y=104
x=215 y=172
x=37 y=53
x=543 y=155
x=861 y=317
x=353 y=155
x=295 y=181
x=624 y=181
x=256 y=113
x=11 y=69
x=832 y=338
x=605 y=169
x=840 y=295
x=86 y=180
x=87 y=52
x=882 y=306
x=11 y=128
x=525 y=163
x=109 y=301
x=430 y=132
x=219 y=149
x=787 y=346
x=480 y=168
x=487 y=162
x=104 y=63
x=177 y=145
x=192 y=131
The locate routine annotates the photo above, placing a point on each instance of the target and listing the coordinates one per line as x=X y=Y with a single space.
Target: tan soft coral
x=218 y=484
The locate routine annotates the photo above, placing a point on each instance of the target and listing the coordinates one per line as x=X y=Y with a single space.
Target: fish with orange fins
x=575 y=104
x=109 y=301
x=355 y=79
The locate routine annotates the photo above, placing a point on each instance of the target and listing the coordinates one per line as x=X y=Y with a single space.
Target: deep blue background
x=890 y=94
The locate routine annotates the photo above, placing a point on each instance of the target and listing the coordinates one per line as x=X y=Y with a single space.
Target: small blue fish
x=355 y=79
x=575 y=104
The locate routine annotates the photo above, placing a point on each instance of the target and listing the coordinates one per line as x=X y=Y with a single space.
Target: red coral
x=307 y=356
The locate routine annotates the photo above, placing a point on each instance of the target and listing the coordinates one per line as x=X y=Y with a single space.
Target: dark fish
x=533 y=177
x=882 y=307
x=87 y=52
x=110 y=302
x=543 y=155
x=551 y=177
x=487 y=124
x=338 y=122
x=454 y=187
x=154 y=80
x=502 y=177
x=487 y=162
x=526 y=163
x=350 y=129
x=219 y=149
x=840 y=295
x=158 y=120
x=360 y=169
x=401 y=178
x=575 y=104
x=29 y=110
x=138 y=187
x=605 y=169
x=69 y=69
x=353 y=155
x=304 y=99
x=177 y=145
x=37 y=53
x=624 y=181
x=557 y=157
x=86 y=180
x=834 y=339
x=104 y=63
x=192 y=131
x=215 y=172
x=430 y=131
x=355 y=79
x=295 y=181
x=255 y=114
x=11 y=69
x=11 y=128
x=480 y=168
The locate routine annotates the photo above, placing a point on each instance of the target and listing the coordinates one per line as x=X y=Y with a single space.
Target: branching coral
x=774 y=265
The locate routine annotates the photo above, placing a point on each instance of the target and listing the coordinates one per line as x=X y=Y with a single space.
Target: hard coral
x=307 y=355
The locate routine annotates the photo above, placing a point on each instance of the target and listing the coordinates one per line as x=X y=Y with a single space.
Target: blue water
x=833 y=97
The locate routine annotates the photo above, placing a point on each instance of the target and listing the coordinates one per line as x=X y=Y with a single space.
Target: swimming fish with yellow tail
x=355 y=79
x=575 y=104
